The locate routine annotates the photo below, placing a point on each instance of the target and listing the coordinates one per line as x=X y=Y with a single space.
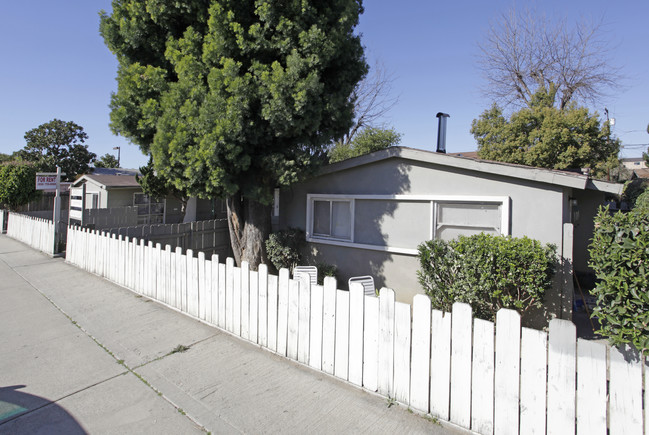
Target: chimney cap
x=440 y=114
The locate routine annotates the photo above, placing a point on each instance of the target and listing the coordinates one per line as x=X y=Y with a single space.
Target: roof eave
x=549 y=176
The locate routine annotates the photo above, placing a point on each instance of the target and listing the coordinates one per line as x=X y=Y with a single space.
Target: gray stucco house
x=367 y=215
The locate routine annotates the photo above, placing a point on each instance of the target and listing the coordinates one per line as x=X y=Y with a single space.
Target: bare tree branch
x=524 y=51
x=373 y=100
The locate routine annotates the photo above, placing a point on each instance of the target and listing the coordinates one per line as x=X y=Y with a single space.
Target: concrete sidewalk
x=79 y=354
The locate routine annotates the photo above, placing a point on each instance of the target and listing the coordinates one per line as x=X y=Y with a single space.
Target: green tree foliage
x=284 y=248
x=619 y=256
x=233 y=98
x=58 y=143
x=106 y=161
x=633 y=189
x=17 y=184
x=544 y=136
x=488 y=272
x=368 y=140
x=158 y=187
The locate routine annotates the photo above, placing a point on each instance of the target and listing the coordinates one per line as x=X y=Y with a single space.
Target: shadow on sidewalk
x=25 y=413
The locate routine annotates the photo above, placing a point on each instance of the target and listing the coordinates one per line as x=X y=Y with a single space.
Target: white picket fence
x=35 y=232
x=492 y=379
x=3 y=221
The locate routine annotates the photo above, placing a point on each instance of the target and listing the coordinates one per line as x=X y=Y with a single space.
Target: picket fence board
x=329 y=325
x=370 y=347
x=206 y=301
x=121 y=261
x=236 y=301
x=142 y=263
x=440 y=364
x=202 y=280
x=133 y=264
x=293 y=318
x=282 y=311
x=317 y=322
x=147 y=256
x=356 y=311
x=386 y=342
x=175 y=277
x=263 y=306
x=461 y=338
x=534 y=355
x=183 y=283
x=507 y=372
x=254 y=306
x=342 y=334
x=223 y=280
x=150 y=276
x=625 y=389
x=562 y=361
x=157 y=273
x=273 y=308
x=161 y=274
x=304 y=319
x=591 y=388
x=402 y=352
x=482 y=378
x=229 y=295
x=245 y=300
x=214 y=290
x=420 y=374
x=192 y=299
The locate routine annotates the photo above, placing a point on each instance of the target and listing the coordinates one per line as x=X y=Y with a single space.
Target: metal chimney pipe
x=441 y=132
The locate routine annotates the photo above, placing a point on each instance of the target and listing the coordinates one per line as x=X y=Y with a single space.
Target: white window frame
x=331 y=198
x=503 y=201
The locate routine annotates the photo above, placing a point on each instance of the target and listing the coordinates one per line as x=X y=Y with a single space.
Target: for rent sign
x=46 y=181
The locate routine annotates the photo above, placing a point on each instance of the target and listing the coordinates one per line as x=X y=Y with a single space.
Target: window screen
x=455 y=219
x=332 y=219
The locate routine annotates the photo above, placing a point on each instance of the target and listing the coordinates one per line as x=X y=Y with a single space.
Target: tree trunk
x=189 y=209
x=249 y=225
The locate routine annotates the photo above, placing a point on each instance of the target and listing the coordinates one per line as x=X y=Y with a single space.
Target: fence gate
x=77 y=203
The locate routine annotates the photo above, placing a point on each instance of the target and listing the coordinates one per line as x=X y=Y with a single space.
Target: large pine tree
x=233 y=98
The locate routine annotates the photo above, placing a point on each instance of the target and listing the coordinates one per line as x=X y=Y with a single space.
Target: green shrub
x=284 y=248
x=619 y=256
x=488 y=272
x=642 y=201
x=17 y=184
x=633 y=190
x=324 y=270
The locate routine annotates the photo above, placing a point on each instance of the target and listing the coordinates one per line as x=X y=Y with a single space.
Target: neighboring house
x=637 y=166
x=118 y=190
x=107 y=188
x=367 y=215
x=634 y=163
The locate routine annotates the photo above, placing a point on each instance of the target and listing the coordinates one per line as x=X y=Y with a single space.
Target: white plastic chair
x=367 y=282
x=310 y=271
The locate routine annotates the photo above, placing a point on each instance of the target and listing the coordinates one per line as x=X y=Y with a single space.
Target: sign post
x=50 y=181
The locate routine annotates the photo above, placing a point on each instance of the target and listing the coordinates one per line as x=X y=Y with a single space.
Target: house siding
x=536 y=212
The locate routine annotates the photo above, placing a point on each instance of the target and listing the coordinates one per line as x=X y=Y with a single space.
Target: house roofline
x=542 y=175
x=89 y=178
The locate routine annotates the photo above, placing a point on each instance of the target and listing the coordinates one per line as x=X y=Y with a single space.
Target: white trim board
x=504 y=201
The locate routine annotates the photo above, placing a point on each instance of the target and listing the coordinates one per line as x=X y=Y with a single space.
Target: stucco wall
x=537 y=211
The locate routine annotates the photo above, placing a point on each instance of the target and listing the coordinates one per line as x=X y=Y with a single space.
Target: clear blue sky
x=55 y=65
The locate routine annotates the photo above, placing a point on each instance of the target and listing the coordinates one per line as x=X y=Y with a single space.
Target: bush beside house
x=619 y=256
x=488 y=272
